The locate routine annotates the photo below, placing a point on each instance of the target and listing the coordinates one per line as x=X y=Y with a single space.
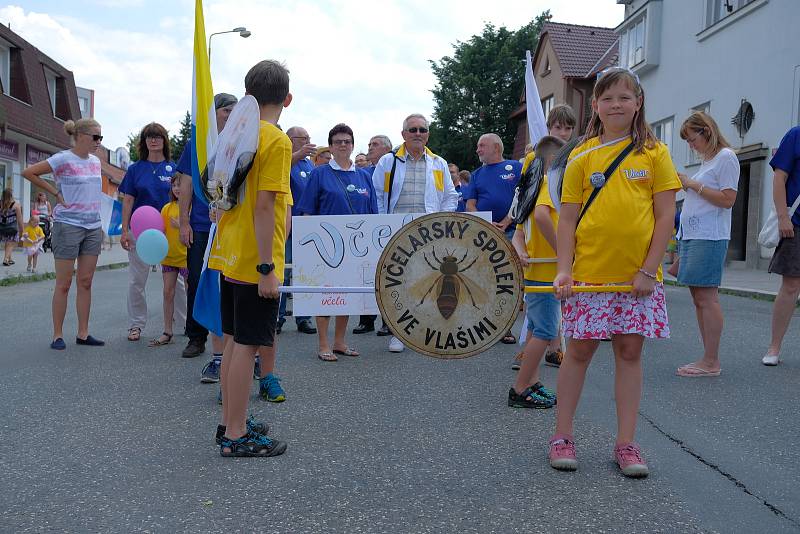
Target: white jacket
x=440 y=193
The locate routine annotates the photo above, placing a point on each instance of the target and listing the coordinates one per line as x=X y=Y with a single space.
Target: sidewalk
x=743 y=282
x=46 y=264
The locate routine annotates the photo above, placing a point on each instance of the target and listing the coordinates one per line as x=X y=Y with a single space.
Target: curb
x=735 y=291
x=50 y=275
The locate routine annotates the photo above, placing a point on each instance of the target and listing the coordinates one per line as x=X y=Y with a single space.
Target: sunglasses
x=619 y=69
x=415 y=130
x=154 y=138
x=95 y=137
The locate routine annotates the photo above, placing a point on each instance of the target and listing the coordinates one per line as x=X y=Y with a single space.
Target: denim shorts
x=702 y=261
x=543 y=312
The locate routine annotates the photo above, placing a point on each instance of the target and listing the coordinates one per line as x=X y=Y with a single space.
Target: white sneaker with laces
x=771 y=359
x=395 y=345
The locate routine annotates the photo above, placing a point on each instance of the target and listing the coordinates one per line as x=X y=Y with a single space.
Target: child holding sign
x=617 y=211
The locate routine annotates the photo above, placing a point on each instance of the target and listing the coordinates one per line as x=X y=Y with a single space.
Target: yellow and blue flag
x=204 y=117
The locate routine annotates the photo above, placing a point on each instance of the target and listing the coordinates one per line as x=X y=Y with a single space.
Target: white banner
x=341 y=251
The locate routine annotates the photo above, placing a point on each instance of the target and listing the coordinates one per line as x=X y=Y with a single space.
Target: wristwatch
x=265 y=268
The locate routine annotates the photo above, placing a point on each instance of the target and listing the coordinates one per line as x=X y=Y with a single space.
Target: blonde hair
x=80 y=126
x=641 y=134
x=702 y=124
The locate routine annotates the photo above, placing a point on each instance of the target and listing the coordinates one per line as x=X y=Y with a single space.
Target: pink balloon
x=145 y=218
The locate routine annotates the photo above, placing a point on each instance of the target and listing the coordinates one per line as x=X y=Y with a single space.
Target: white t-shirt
x=80 y=182
x=701 y=219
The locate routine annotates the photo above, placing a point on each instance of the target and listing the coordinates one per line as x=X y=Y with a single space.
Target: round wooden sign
x=449 y=285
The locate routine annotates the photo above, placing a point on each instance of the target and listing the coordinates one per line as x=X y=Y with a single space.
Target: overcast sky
x=362 y=63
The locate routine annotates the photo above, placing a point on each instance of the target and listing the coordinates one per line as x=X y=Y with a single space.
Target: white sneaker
x=395 y=345
x=771 y=359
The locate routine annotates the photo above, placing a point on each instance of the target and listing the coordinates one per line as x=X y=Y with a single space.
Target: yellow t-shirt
x=235 y=252
x=176 y=255
x=31 y=234
x=613 y=238
x=535 y=243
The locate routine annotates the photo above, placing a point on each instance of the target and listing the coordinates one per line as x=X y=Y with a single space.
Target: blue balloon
x=152 y=246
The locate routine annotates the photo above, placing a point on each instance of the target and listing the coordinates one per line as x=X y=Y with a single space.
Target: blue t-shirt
x=492 y=186
x=298 y=178
x=328 y=191
x=148 y=183
x=462 y=206
x=787 y=159
x=198 y=217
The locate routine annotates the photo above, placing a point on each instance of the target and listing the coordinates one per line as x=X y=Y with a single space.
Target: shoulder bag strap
x=793 y=209
x=344 y=190
x=391 y=182
x=609 y=171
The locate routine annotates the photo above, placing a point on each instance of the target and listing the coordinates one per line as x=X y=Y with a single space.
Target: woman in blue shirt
x=146 y=183
x=338 y=188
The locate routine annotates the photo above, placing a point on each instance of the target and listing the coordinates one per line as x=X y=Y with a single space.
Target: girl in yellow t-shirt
x=32 y=239
x=174 y=263
x=619 y=240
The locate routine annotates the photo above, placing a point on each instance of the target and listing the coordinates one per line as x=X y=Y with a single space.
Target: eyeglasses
x=301 y=137
x=342 y=142
x=694 y=139
x=415 y=130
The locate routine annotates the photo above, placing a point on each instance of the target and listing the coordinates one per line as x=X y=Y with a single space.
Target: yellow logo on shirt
x=634 y=174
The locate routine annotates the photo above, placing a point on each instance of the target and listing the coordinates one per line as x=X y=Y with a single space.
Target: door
x=738 y=244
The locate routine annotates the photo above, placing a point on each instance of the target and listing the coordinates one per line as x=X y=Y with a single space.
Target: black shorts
x=249 y=318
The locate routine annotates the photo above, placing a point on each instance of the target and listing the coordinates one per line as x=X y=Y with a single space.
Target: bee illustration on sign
x=449 y=283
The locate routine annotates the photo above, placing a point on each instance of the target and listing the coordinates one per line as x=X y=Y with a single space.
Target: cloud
x=353 y=62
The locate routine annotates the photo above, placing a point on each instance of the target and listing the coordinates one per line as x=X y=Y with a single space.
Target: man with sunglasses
x=413 y=179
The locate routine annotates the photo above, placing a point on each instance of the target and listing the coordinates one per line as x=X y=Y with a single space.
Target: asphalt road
x=119 y=439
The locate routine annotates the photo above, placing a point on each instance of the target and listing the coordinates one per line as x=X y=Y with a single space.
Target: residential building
x=37 y=95
x=86 y=101
x=565 y=66
x=720 y=56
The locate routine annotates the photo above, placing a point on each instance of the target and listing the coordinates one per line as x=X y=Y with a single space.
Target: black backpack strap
x=609 y=171
x=391 y=182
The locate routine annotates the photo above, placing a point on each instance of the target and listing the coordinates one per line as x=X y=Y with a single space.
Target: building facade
x=565 y=65
x=722 y=57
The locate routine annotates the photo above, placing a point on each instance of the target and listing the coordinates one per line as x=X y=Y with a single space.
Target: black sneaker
x=528 y=399
x=194 y=349
x=251 y=445
x=252 y=426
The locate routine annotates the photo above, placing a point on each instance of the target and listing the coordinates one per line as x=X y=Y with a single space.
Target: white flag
x=537 y=127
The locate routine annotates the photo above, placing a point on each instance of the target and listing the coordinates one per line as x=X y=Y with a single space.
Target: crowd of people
x=617 y=171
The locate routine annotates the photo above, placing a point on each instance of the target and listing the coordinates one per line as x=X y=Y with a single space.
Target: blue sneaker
x=548 y=394
x=257 y=369
x=210 y=373
x=270 y=389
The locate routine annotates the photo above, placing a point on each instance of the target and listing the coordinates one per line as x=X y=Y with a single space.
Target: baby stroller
x=44 y=224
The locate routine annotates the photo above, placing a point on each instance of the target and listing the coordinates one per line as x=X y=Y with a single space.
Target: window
x=57 y=89
x=716 y=10
x=632 y=44
x=3 y=176
x=692 y=157
x=5 y=69
x=663 y=130
x=50 y=76
x=547 y=105
x=547 y=68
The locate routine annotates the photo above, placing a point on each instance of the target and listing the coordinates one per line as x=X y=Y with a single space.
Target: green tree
x=478 y=87
x=178 y=142
x=133 y=146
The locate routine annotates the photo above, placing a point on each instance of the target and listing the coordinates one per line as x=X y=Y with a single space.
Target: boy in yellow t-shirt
x=32 y=239
x=248 y=250
x=536 y=238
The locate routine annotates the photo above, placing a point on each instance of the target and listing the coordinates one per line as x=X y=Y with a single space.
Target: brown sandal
x=134 y=334
x=159 y=341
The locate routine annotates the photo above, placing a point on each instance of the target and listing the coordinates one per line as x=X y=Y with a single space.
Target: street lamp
x=241 y=31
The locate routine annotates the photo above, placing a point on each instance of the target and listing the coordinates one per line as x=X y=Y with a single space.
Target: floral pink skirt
x=601 y=315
